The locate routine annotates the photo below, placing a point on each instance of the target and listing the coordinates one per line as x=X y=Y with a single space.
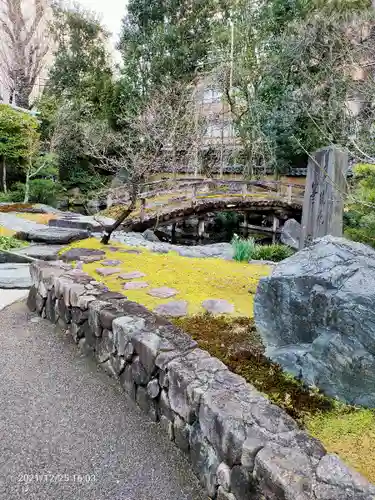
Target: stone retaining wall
x=239 y=444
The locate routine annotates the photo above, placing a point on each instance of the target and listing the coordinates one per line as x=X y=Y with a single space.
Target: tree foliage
x=359 y=217
x=165 y=42
x=81 y=72
x=290 y=77
x=18 y=134
x=80 y=89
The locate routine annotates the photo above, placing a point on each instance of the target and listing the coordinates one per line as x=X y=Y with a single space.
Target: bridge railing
x=195 y=189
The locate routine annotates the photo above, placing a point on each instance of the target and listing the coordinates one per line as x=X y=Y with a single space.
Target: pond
x=218 y=228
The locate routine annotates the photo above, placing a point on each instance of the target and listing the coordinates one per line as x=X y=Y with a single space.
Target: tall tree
x=79 y=90
x=289 y=80
x=19 y=140
x=82 y=68
x=163 y=42
x=24 y=43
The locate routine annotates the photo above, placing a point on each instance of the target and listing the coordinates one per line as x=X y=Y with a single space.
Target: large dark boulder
x=316 y=315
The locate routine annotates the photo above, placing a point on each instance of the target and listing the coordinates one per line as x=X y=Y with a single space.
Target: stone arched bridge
x=199 y=197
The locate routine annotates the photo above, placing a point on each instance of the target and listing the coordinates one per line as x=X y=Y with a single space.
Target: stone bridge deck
x=198 y=197
x=152 y=216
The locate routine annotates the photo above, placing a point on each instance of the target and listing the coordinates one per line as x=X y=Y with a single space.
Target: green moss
x=9 y=243
x=236 y=342
x=344 y=430
x=195 y=279
x=350 y=434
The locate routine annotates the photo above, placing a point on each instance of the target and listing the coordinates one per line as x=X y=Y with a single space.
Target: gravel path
x=62 y=419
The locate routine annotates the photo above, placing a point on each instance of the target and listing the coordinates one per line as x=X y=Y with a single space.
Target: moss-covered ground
x=6 y=232
x=350 y=434
x=195 y=280
x=347 y=431
x=38 y=218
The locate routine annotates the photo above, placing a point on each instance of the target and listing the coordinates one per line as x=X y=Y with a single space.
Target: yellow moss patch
x=195 y=279
x=343 y=430
x=39 y=218
x=6 y=232
x=351 y=436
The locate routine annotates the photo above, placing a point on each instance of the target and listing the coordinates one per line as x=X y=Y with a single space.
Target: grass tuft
x=9 y=242
x=246 y=249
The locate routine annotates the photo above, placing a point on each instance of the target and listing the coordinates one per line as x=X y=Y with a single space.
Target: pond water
x=219 y=228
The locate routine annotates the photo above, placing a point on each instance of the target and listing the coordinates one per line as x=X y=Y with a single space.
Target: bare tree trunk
x=25 y=35
x=4 y=176
x=22 y=96
x=124 y=215
x=27 y=189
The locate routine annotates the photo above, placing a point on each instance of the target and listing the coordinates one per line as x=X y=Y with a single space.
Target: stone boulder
x=149 y=235
x=83 y=222
x=15 y=276
x=291 y=233
x=52 y=236
x=316 y=316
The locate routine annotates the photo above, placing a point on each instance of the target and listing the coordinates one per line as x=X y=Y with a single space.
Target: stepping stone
x=78 y=253
x=163 y=292
x=129 y=251
x=15 y=276
x=41 y=252
x=111 y=263
x=174 y=309
x=52 y=235
x=132 y=275
x=87 y=259
x=135 y=285
x=108 y=271
x=218 y=306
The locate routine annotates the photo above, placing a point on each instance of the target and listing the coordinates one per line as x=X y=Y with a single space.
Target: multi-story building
x=213 y=112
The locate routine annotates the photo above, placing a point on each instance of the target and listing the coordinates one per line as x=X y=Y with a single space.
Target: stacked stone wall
x=239 y=444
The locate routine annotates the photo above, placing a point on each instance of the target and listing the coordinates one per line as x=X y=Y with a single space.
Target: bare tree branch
x=24 y=45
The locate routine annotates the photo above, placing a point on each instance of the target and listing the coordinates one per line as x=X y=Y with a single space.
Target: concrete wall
x=239 y=444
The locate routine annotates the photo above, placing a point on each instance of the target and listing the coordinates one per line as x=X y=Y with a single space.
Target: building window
x=211 y=95
x=213 y=131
